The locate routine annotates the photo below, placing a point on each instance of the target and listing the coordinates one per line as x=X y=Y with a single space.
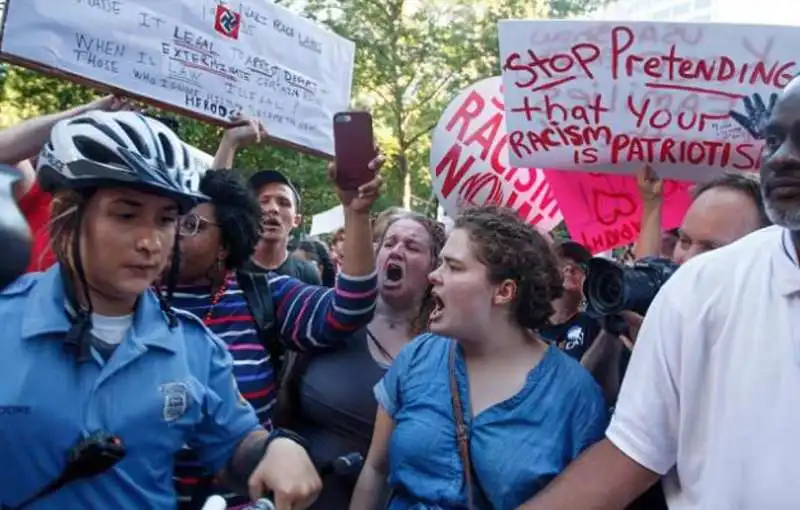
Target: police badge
x=176 y=400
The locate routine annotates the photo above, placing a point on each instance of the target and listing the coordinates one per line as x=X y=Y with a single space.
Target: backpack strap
x=258 y=295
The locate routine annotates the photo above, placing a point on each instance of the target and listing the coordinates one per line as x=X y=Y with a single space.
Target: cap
x=573 y=251
x=263 y=177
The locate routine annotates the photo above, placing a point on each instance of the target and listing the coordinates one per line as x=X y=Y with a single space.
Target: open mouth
x=271 y=223
x=393 y=273
x=438 y=308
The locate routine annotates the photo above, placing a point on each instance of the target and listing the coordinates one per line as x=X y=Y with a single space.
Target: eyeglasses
x=192 y=224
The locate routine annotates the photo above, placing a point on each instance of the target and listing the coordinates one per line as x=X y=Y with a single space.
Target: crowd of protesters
x=461 y=365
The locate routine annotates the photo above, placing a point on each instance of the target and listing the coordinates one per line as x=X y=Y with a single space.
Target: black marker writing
x=104 y=47
x=146 y=59
x=147 y=20
x=250 y=14
x=309 y=43
x=98 y=53
x=108 y=6
x=193 y=41
x=282 y=27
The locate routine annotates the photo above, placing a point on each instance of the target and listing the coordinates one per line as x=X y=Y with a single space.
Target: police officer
x=91 y=356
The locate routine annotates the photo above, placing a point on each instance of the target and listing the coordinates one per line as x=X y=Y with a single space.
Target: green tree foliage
x=413 y=56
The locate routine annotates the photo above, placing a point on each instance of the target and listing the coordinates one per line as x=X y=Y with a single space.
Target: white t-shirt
x=111 y=330
x=711 y=397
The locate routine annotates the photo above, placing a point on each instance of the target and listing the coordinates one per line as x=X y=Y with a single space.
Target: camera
x=611 y=287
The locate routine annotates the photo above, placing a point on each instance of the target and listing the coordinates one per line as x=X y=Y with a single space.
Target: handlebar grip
x=215 y=503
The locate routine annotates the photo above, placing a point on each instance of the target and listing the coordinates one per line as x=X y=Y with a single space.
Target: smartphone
x=354 y=143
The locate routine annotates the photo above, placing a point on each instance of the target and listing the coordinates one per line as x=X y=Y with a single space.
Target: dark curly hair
x=321 y=256
x=438 y=237
x=513 y=250
x=236 y=211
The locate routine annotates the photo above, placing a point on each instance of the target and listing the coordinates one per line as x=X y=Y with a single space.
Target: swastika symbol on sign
x=228 y=21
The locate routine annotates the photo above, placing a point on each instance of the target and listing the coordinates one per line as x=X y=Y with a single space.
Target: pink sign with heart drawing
x=604 y=211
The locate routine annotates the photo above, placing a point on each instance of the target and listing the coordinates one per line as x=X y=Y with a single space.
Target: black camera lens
x=611 y=287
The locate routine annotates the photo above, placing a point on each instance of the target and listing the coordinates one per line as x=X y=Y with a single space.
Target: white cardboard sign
x=611 y=96
x=200 y=56
x=469 y=160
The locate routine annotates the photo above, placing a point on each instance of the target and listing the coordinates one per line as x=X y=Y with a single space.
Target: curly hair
x=514 y=250
x=321 y=256
x=438 y=237
x=236 y=211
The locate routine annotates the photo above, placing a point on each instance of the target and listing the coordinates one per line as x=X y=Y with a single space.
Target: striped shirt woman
x=308 y=318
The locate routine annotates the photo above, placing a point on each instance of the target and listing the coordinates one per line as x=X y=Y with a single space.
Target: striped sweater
x=308 y=318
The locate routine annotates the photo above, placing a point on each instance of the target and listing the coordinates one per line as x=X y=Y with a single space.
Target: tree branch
x=413 y=139
x=436 y=90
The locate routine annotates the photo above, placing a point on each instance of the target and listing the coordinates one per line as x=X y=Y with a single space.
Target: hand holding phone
x=354 y=143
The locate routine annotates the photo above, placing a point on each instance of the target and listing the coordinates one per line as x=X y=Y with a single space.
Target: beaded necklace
x=216 y=298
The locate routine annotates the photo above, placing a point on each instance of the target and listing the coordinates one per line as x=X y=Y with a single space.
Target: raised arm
x=24 y=140
x=312 y=317
x=243 y=132
x=650 y=187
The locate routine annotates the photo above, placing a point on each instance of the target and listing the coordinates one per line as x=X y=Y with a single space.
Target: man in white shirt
x=711 y=399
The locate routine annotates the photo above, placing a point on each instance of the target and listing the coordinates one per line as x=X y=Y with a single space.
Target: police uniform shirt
x=159 y=390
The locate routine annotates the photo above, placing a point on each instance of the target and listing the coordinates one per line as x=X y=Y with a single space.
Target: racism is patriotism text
x=201 y=57
x=688 y=98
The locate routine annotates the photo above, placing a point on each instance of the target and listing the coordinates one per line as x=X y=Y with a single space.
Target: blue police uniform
x=160 y=389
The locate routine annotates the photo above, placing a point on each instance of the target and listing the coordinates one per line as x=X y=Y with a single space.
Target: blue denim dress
x=517 y=446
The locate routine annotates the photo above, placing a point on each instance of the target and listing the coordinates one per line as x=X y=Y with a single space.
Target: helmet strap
x=77 y=337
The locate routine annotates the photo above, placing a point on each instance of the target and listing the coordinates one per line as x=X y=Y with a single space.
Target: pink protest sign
x=604 y=211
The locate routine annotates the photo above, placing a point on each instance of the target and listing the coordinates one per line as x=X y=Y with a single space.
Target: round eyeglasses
x=192 y=224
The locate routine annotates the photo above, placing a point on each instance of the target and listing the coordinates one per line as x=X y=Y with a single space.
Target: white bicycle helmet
x=105 y=149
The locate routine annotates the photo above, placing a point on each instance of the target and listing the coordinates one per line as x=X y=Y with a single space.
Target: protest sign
x=604 y=211
x=469 y=160
x=200 y=160
x=688 y=98
x=199 y=57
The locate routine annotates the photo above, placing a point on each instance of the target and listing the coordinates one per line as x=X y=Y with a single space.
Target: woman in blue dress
x=527 y=409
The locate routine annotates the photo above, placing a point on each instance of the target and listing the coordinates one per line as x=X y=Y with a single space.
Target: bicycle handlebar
x=345 y=465
x=219 y=503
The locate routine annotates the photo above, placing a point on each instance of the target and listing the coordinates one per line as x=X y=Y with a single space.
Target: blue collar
x=47 y=300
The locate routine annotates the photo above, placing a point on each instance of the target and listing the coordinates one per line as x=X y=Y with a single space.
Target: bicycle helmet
x=106 y=149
